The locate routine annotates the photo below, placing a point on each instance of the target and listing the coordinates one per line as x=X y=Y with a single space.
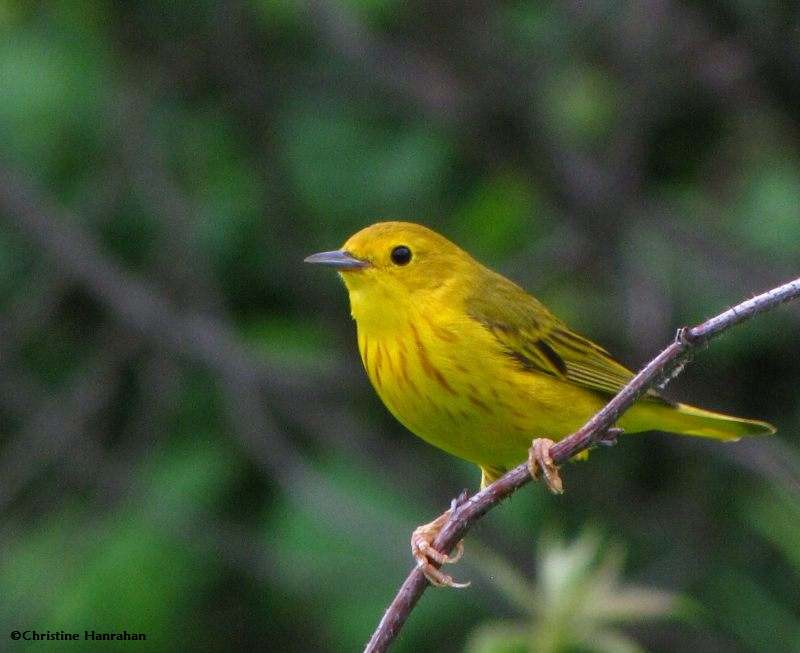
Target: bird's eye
x=401 y=255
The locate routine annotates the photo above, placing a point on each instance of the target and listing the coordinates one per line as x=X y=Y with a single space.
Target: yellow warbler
x=474 y=365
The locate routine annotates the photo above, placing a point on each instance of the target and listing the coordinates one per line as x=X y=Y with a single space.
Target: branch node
x=684 y=337
x=459 y=501
x=607 y=438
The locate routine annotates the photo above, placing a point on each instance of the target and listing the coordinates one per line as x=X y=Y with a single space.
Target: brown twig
x=597 y=430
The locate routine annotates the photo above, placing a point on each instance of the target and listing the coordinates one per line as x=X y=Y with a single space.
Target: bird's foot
x=540 y=463
x=427 y=557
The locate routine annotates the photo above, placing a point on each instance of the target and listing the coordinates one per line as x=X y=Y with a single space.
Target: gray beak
x=338 y=259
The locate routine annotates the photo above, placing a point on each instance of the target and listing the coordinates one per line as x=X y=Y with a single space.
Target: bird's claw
x=428 y=557
x=541 y=463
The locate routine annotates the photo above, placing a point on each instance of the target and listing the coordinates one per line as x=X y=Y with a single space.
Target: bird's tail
x=688 y=420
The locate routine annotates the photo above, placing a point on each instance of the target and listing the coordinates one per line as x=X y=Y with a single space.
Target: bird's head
x=390 y=266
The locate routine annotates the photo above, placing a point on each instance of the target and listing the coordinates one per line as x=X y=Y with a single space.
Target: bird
x=471 y=363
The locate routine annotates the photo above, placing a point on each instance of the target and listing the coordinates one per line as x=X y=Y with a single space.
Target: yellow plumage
x=472 y=364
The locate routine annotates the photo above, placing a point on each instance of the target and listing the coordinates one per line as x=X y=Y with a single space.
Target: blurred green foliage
x=575 y=606
x=216 y=472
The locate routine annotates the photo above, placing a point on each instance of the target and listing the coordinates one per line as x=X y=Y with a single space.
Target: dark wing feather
x=537 y=340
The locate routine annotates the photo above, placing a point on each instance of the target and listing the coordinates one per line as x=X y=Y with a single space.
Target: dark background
x=188 y=445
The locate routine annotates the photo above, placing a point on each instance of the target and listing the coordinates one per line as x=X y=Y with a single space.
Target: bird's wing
x=532 y=336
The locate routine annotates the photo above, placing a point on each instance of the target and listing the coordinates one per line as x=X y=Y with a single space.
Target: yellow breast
x=445 y=383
